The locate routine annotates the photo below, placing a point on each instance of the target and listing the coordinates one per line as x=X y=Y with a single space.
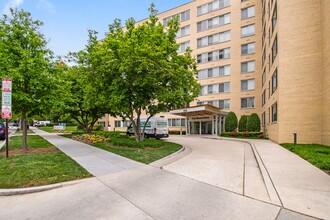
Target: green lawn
x=146 y=152
x=35 y=169
x=318 y=155
x=34 y=141
x=51 y=129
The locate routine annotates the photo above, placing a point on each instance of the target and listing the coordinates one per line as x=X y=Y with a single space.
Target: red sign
x=6 y=98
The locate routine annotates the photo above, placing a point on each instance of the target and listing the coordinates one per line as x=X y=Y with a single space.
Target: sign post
x=6 y=106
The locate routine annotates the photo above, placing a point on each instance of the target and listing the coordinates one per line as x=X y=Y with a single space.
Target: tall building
x=268 y=57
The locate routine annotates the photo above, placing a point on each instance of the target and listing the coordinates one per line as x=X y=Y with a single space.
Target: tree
x=84 y=101
x=253 y=123
x=242 y=123
x=231 y=122
x=143 y=72
x=25 y=58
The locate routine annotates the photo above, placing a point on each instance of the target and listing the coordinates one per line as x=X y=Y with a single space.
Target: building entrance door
x=207 y=127
x=194 y=127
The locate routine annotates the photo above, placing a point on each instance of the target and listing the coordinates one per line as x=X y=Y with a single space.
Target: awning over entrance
x=203 y=119
x=201 y=110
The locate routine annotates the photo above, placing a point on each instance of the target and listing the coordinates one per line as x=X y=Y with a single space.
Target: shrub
x=246 y=134
x=176 y=132
x=231 y=122
x=253 y=123
x=234 y=133
x=242 y=123
x=98 y=127
x=242 y=134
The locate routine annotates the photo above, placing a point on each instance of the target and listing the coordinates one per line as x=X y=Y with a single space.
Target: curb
x=11 y=192
x=184 y=151
x=21 y=191
x=271 y=189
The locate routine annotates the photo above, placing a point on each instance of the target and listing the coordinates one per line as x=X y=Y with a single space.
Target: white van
x=157 y=127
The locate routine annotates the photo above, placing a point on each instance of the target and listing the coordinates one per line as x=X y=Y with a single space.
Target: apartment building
x=256 y=56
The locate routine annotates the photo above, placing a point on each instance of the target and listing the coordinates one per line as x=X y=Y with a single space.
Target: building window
x=274 y=50
x=101 y=123
x=213 y=56
x=183 y=16
x=183 y=46
x=117 y=124
x=264 y=35
x=213 y=22
x=247 y=102
x=247 y=85
x=247 y=12
x=213 y=39
x=274 y=81
x=274 y=112
x=263 y=118
x=215 y=88
x=263 y=98
x=263 y=77
x=248 y=30
x=212 y=6
x=269 y=89
x=224 y=104
x=214 y=72
x=264 y=56
x=184 y=31
x=247 y=67
x=274 y=18
x=248 y=48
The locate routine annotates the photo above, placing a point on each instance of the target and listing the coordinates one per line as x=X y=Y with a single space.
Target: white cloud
x=12 y=4
x=46 y=5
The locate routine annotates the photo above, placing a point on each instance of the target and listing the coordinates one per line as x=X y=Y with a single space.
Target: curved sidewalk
x=96 y=161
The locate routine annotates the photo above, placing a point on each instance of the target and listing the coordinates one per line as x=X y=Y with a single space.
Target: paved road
x=182 y=190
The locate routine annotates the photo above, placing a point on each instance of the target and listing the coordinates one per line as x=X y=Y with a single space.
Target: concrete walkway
x=96 y=161
x=216 y=179
x=257 y=169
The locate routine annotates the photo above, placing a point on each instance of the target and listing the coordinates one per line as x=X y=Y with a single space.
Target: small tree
x=143 y=72
x=26 y=59
x=231 y=122
x=242 y=123
x=253 y=123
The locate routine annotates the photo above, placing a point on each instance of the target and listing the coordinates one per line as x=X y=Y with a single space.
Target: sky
x=66 y=21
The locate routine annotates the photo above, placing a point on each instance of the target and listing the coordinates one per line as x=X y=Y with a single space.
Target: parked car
x=2 y=131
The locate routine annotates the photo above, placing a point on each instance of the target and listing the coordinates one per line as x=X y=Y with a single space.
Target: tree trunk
x=24 y=129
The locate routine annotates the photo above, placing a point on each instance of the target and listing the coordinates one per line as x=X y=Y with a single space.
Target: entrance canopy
x=203 y=119
x=197 y=111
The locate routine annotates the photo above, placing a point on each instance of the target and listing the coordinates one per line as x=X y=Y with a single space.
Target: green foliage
x=141 y=70
x=39 y=169
x=253 y=123
x=245 y=134
x=242 y=123
x=317 y=154
x=25 y=58
x=131 y=143
x=231 y=122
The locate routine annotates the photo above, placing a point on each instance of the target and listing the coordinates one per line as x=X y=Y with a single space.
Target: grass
x=142 y=155
x=318 y=155
x=35 y=169
x=51 y=129
x=146 y=151
x=34 y=141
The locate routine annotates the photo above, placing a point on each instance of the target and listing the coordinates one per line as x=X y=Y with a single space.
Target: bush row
x=246 y=123
x=242 y=134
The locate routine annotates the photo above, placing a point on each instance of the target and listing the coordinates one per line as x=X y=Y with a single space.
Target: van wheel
x=157 y=138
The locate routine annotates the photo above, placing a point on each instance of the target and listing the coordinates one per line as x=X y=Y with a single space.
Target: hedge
x=244 y=134
x=231 y=122
x=242 y=123
x=253 y=123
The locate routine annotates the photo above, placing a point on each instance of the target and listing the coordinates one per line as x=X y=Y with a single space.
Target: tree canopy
x=141 y=70
x=25 y=58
